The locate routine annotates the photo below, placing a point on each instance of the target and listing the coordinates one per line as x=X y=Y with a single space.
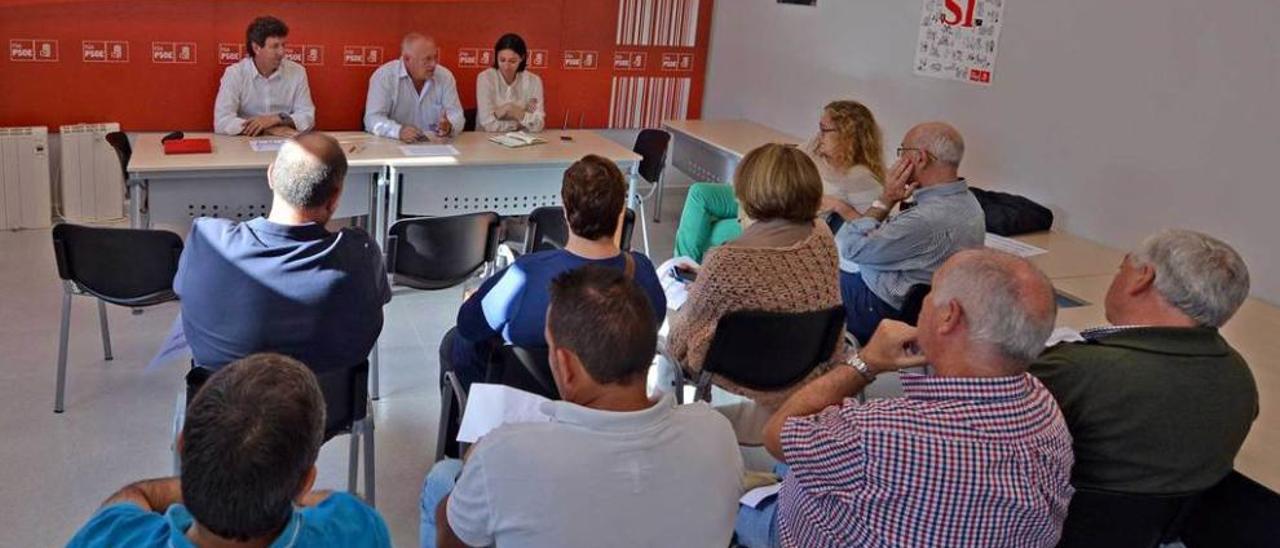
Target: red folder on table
x=187 y=146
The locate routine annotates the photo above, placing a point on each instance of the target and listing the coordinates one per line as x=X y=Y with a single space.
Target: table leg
x=135 y=204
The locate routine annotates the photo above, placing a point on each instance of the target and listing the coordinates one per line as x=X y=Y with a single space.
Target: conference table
x=709 y=150
x=384 y=179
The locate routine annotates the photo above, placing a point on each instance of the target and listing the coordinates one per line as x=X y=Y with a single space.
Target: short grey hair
x=308 y=170
x=412 y=37
x=1007 y=302
x=1198 y=274
x=942 y=141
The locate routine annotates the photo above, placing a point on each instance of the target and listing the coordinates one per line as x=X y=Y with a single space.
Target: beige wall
x=1123 y=117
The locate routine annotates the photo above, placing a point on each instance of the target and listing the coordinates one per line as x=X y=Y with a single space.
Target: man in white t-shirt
x=612 y=466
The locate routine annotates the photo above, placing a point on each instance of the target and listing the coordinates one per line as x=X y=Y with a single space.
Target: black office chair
x=767 y=351
x=651 y=145
x=125 y=267
x=441 y=252
x=469 y=117
x=913 y=302
x=1101 y=519
x=124 y=151
x=527 y=369
x=346 y=402
x=549 y=230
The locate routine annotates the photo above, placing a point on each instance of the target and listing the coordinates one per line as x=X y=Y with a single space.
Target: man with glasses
x=881 y=256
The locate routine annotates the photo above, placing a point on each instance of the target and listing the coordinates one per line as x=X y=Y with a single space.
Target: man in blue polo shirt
x=285 y=283
x=248 y=447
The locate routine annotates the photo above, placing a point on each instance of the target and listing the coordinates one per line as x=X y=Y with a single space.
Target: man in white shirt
x=414 y=98
x=264 y=93
x=611 y=467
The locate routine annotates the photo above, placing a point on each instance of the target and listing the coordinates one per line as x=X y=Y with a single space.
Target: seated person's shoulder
x=123 y=524
x=343 y=520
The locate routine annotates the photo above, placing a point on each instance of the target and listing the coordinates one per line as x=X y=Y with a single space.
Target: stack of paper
x=1009 y=245
x=428 y=150
x=266 y=145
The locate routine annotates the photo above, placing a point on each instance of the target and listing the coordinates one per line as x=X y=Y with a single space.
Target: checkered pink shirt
x=957 y=462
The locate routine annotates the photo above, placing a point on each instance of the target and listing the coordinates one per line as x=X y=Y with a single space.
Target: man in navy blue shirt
x=249 y=445
x=285 y=283
x=511 y=306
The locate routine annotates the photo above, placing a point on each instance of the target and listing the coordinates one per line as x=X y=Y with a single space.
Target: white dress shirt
x=394 y=102
x=492 y=92
x=245 y=93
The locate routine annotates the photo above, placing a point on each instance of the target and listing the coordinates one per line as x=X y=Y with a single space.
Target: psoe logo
x=34 y=50
x=230 y=53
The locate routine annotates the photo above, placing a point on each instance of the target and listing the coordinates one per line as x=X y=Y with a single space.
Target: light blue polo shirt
x=339 y=520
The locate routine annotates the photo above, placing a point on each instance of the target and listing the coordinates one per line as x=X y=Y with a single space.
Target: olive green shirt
x=1152 y=410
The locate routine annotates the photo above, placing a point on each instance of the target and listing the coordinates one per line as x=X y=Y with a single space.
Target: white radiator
x=92 y=187
x=24 y=178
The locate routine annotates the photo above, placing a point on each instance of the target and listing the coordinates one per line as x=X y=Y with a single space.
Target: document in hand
x=492 y=405
x=516 y=139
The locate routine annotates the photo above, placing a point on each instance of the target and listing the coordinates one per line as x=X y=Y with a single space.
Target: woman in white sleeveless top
x=509 y=98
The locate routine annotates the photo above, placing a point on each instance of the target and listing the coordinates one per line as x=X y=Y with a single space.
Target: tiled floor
x=56 y=469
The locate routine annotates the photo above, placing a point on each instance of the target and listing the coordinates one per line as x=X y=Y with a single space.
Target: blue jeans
x=758 y=527
x=863 y=309
x=435 y=488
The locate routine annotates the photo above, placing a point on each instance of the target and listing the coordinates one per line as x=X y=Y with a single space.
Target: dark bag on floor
x=1010 y=214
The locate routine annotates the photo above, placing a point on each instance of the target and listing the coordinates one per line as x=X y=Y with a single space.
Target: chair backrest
x=772 y=350
x=440 y=252
x=346 y=395
x=549 y=230
x=124 y=151
x=469 y=119
x=1237 y=512
x=528 y=369
x=913 y=302
x=651 y=145
x=1100 y=519
x=123 y=266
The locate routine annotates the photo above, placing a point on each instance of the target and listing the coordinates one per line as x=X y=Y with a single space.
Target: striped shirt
x=905 y=249
x=956 y=462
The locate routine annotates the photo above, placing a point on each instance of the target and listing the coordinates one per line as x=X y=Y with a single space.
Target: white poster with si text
x=958 y=39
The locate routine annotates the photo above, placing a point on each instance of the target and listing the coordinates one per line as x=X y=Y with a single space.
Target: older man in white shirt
x=264 y=93
x=414 y=98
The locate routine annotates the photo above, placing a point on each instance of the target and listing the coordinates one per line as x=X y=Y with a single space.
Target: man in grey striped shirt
x=882 y=257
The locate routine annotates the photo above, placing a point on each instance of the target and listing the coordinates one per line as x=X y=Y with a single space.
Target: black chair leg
x=62 y=352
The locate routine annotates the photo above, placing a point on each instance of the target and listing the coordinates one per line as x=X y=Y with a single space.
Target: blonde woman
x=784 y=261
x=847 y=153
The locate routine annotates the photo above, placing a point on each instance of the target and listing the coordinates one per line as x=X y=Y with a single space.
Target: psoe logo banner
x=230 y=53
x=105 y=51
x=33 y=50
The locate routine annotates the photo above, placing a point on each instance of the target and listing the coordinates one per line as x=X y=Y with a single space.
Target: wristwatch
x=284 y=117
x=854 y=361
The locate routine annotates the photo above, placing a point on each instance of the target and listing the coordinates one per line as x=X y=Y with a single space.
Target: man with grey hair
x=414 y=98
x=976 y=454
x=284 y=283
x=883 y=257
x=1158 y=402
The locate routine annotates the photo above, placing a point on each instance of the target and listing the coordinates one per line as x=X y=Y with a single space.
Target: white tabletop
x=736 y=137
x=365 y=150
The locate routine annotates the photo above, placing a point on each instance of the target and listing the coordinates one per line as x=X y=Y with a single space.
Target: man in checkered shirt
x=975 y=454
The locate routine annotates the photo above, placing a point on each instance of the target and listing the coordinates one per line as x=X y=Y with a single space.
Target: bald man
x=883 y=257
x=285 y=283
x=975 y=454
x=414 y=98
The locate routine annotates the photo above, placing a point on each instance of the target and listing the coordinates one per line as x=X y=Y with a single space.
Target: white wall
x=1123 y=116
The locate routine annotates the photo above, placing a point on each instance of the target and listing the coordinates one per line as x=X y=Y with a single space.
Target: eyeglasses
x=902 y=150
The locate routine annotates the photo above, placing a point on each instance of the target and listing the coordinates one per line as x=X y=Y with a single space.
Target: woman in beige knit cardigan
x=784 y=261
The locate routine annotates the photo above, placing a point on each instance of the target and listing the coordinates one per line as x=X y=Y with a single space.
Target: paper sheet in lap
x=492 y=405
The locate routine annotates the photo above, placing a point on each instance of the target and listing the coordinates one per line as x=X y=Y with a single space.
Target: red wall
x=144 y=95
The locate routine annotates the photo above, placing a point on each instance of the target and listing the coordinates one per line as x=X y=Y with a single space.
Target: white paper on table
x=492 y=405
x=428 y=150
x=755 y=497
x=1063 y=334
x=266 y=145
x=1015 y=247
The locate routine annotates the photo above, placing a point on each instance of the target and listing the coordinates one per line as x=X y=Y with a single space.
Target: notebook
x=516 y=139
x=188 y=146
